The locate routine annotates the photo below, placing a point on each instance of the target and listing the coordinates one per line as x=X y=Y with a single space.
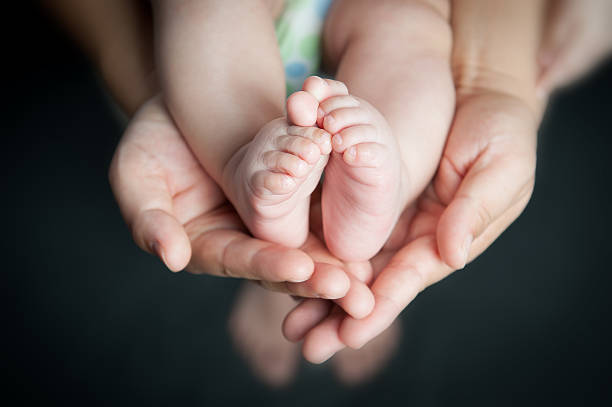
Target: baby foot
x=270 y=179
x=363 y=185
x=357 y=366
x=254 y=326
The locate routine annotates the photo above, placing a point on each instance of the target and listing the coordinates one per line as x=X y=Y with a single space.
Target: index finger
x=411 y=270
x=233 y=253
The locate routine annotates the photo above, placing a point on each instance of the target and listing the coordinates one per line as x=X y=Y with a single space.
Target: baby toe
x=320 y=137
x=302 y=109
x=365 y=155
x=322 y=89
x=266 y=183
x=333 y=103
x=344 y=117
x=350 y=136
x=280 y=161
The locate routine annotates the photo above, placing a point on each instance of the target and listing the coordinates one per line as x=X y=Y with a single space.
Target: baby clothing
x=298 y=31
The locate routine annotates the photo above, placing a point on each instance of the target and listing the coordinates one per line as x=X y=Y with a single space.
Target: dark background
x=93 y=320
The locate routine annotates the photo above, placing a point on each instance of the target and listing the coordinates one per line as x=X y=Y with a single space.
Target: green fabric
x=298 y=31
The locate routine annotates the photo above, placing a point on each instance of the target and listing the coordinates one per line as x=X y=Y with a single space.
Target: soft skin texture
x=227 y=97
x=410 y=259
x=177 y=212
x=483 y=183
x=397 y=122
x=362 y=189
x=384 y=146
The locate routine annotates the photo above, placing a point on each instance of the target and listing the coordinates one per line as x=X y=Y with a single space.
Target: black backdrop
x=92 y=320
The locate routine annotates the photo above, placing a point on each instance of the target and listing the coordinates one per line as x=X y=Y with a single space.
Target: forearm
x=116 y=35
x=495 y=47
x=220 y=74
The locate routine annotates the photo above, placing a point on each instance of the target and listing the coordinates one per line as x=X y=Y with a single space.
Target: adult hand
x=484 y=181
x=577 y=36
x=177 y=212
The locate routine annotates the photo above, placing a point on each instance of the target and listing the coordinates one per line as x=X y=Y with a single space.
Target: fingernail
x=465 y=248
x=158 y=251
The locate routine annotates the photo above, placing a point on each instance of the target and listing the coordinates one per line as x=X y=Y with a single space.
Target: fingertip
x=304 y=317
x=317 y=348
x=366 y=305
x=322 y=341
x=314 y=356
x=331 y=282
x=454 y=237
x=351 y=335
x=161 y=234
x=177 y=255
x=299 y=266
x=290 y=331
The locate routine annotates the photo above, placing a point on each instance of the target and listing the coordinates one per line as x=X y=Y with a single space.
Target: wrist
x=495 y=44
x=475 y=79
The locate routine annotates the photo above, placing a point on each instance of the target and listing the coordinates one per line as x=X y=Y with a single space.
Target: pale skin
x=482 y=92
x=366 y=180
x=267 y=168
x=473 y=197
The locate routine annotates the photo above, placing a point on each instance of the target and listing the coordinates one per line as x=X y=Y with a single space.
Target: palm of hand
x=483 y=183
x=177 y=211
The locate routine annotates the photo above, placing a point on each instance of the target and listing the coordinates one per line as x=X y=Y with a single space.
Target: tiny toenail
x=320 y=113
x=352 y=153
x=301 y=167
x=338 y=140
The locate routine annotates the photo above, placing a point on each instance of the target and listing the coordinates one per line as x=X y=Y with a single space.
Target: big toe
x=322 y=89
x=302 y=109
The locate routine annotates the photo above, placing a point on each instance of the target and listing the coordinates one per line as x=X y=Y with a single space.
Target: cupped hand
x=177 y=212
x=483 y=183
x=577 y=36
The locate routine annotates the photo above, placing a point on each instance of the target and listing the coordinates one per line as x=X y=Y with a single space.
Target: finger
x=410 y=271
x=358 y=301
x=322 y=341
x=328 y=281
x=304 y=317
x=413 y=268
x=160 y=233
x=486 y=192
x=345 y=283
x=496 y=228
x=146 y=206
x=232 y=253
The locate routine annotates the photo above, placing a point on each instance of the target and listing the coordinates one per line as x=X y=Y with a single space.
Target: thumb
x=146 y=206
x=159 y=233
x=491 y=186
